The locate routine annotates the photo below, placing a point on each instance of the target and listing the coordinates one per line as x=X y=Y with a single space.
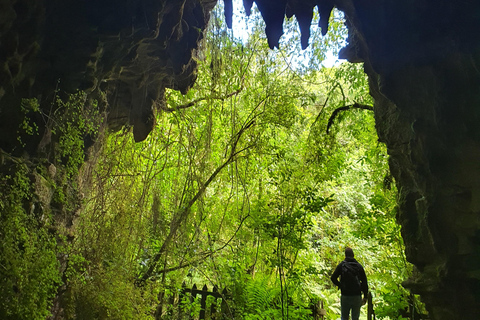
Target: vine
x=27 y=127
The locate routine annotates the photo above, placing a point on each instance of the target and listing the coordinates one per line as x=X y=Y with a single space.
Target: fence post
x=322 y=311
x=203 y=302
x=370 y=312
x=214 y=306
x=180 y=297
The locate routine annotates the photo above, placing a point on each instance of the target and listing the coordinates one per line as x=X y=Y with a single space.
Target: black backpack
x=350 y=281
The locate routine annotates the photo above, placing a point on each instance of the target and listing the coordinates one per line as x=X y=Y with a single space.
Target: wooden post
x=203 y=302
x=193 y=293
x=317 y=310
x=370 y=312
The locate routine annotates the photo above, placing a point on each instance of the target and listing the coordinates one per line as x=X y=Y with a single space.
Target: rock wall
x=422 y=59
x=423 y=62
x=122 y=53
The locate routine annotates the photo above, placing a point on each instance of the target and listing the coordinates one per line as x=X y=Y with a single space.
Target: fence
x=174 y=307
x=204 y=293
x=219 y=309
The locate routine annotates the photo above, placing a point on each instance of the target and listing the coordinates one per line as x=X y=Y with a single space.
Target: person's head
x=349 y=252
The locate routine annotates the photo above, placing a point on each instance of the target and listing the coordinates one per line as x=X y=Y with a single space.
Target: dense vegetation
x=239 y=186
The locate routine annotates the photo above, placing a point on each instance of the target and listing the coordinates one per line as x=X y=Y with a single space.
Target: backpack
x=349 y=280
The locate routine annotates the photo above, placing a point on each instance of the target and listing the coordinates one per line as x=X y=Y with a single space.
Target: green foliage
x=102 y=259
x=264 y=301
x=28 y=264
x=31 y=237
x=239 y=186
x=77 y=118
x=104 y=293
x=28 y=127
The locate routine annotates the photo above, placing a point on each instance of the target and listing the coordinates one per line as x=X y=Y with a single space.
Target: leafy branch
x=194 y=102
x=182 y=214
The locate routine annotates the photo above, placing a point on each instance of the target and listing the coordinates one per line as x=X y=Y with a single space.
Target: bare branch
x=204 y=255
x=320 y=113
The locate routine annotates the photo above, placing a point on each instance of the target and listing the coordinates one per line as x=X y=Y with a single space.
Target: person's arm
x=336 y=274
x=364 y=283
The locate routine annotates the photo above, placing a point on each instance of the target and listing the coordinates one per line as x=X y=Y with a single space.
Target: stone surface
x=422 y=58
x=123 y=53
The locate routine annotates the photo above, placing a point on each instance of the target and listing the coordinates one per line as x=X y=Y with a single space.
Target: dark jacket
x=361 y=276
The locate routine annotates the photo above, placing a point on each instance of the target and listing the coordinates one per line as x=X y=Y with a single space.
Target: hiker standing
x=353 y=282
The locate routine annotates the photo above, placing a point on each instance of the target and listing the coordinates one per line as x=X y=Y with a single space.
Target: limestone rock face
x=422 y=58
x=423 y=62
x=123 y=53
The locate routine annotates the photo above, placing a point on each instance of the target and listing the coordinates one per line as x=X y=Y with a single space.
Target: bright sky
x=241 y=25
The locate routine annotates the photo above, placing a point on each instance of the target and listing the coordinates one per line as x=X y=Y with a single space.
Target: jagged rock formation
x=422 y=59
x=123 y=53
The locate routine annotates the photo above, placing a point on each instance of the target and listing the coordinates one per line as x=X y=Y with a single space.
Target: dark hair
x=349 y=252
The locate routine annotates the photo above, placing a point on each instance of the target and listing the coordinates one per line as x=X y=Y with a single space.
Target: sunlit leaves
x=239 y=184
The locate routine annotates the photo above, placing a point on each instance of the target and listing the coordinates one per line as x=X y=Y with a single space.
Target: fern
x=258 y=295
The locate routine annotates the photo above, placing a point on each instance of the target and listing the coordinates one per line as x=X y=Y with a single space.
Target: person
x=353 y=281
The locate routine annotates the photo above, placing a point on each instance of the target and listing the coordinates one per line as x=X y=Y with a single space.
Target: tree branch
x=344 y=108
x=182 y=214
x=194 y=102
x=204 y=255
